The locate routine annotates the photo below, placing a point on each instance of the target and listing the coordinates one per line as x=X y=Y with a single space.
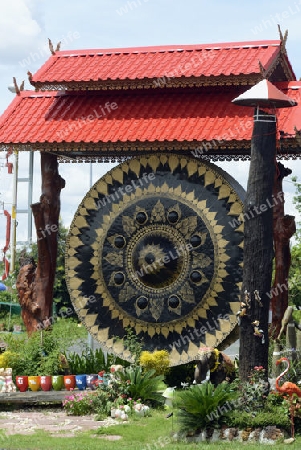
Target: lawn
x=148 y=433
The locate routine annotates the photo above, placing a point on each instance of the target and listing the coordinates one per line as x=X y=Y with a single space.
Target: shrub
x=7 y=358
x=277 y=416
x=158 y=360
x=40 y=353
x=203 y=406
x=142 y=385
x=253 y=393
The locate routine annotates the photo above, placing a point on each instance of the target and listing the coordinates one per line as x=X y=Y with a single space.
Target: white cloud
x=19 y=29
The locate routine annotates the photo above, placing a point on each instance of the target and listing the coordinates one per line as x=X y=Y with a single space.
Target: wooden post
x=291 y=341
x=276 y=355
x=35 y=283
x=284 y=228
x=298 y=341
x=258 y=248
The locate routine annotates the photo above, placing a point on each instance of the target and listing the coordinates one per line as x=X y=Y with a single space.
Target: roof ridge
x=169 y=48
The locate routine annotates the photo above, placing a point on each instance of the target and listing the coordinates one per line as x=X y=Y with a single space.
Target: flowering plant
x=253 y=393
x=113 y=385
x=78 y=404
x=257 y=375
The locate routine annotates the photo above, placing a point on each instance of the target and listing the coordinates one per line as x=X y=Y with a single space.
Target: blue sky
x=25 y=26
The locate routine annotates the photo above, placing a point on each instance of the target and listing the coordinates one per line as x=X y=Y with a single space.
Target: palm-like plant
x=203 y=406
x=142 y=385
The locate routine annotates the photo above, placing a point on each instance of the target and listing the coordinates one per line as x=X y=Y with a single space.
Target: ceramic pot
x=81 y=382
x=34 y=383
x=22 y=383
x=46 y=382
x=103 y=380
x=69 y=382
x=57 y=382
x=91 y=379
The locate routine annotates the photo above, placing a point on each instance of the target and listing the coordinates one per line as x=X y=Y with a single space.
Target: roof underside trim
x=162 y=82
x=118 y=152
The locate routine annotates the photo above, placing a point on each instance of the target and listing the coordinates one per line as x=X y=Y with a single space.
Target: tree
x=35 y=280
x=61 y=297
x=295 y=276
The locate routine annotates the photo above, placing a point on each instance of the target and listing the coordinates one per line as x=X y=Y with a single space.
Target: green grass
x=147 y=433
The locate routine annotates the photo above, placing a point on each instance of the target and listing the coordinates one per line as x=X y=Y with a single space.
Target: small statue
x=257 y=331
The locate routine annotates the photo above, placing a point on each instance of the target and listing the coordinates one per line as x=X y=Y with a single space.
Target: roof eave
x=151 y=83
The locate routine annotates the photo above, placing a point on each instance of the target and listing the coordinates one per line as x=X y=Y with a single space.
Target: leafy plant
x=133 y=344
x=91 y=361
x=276 y=416
x=141 y=384
x=202 y=406
x=275 y=411
x=253 y=393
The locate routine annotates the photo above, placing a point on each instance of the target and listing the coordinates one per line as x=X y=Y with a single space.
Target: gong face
x=154 y=246
x=166 y=248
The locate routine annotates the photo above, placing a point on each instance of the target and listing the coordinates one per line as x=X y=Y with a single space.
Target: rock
x=245 y=434
x=289 y=440
x=230 y=433
x=270 y=435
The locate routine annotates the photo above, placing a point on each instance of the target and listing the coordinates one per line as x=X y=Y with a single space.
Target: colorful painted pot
x=22 y=383
x=69 y=382
x=46 y=382
x=91 y=381
x=34 y=383
x=81 y=382
x=103 y=380
x=57 y=382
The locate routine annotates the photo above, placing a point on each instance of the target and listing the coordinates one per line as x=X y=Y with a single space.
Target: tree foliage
x=61 y=295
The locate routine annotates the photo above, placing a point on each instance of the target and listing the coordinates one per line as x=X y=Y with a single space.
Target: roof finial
x=298 y=135
x=262 y=70
x=283 y=38
x=17 y=88
x=58 y=46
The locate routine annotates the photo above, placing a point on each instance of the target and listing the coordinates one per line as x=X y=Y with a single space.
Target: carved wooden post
x=258 y=249
x=35 y=284
x=284 y=228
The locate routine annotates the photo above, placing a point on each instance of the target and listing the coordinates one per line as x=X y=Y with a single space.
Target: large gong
x=156 y=245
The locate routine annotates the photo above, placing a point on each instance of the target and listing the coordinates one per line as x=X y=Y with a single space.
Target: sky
x=26 y=25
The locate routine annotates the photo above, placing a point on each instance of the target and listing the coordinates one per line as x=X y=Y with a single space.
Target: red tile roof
x=191 y=116
x=174 y=61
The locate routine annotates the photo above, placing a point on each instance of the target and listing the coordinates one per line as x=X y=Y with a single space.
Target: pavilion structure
x=157 y=110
